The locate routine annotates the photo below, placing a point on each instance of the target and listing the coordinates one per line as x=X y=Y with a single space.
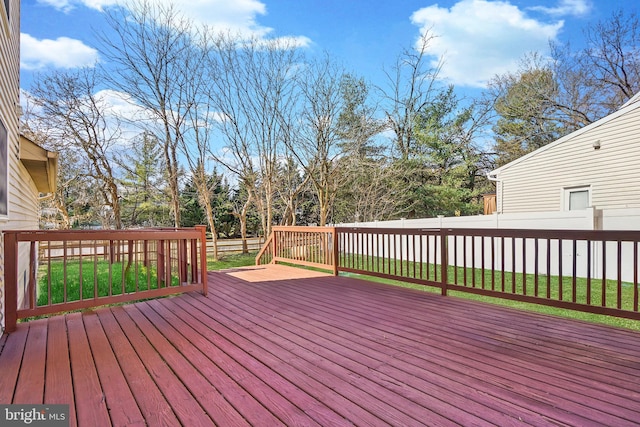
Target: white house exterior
x=596 y=166
x=26 y=170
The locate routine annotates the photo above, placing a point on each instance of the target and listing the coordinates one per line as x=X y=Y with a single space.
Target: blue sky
x=477 y=38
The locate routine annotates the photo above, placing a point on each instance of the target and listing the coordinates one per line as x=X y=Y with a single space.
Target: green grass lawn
x=514 y=284
x=100 y=273
x=567 y=289
x=231 y=261
x=240 y=260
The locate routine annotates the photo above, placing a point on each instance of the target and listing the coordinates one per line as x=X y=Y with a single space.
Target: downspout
x=494 y=178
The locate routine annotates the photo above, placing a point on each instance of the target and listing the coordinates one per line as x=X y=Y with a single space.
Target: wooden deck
x=327 y=351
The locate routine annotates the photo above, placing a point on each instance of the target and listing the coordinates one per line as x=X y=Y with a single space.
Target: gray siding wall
x=536 y=183
x=23 y=204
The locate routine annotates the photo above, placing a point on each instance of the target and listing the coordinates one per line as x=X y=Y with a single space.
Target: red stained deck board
x=251 y=356
x=628 y=401
x=474 y=334
x=284 y=398
x=218 y=409
x=120 y=402
x=268 y=392
x=58 y=383
x=316 y=302
x=10 y=361
x=560 y=367
x=403 y=378
x=89 y=399
x=205 y=356
x=154 y=407
x=30 y=387
x=323 y=351
x=390 y=407
x=186 y=408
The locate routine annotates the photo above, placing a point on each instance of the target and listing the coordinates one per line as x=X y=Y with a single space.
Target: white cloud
x=237 y=16
x=479 y=39
x=566 y=8
x=62 y=52
x=61 y=5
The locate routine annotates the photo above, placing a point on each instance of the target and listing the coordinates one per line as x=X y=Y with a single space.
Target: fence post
x=10 y=281
x=444 y=261
x=203 y=257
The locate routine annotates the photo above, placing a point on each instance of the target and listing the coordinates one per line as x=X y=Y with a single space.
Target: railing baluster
x=493 y=264
x=574 y=282
x=49 y=295
x=536 y=267
x=473 y=261
x=482 y=260
x=548 y=268
x=560 y=279
x=33 y=262
x=635 y=276
x=604 y=274
x=524 y=266
x=589 y=267
x=619 y=261
x=502 y=281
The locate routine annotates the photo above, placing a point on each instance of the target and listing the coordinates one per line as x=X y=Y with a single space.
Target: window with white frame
x=4 y=171
x=577 y=198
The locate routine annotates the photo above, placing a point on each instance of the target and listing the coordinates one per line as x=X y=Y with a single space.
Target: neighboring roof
x=627 y=107
x=633 y=99
x=41 y=164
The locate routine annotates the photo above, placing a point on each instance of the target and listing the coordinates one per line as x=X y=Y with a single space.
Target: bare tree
x=611 y=60
x=316 y=144
x=291 y=184
x=546 y=99
x=77 y=117
x=195 y=140
x=146 y=49
x=411 y=86
x=254 y=82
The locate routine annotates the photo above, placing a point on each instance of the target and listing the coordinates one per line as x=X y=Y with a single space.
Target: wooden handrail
x=266 y=251
x=306 y=246
x=585 y=270
x=113 y=265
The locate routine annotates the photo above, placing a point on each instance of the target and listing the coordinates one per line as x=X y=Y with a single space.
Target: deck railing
x=72 y=270
x=590 y=271
x=265 y=254
x=307 y=246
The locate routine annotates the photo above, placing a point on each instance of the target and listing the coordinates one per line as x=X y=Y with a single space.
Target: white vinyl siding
x=535 y=183
x=4 y=171
x=22 y=192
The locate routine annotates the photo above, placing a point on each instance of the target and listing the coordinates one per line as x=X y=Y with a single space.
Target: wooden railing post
x=274 y=244
x=335 y=252
x=10 y=281
x=203 y=257
x=444 y=261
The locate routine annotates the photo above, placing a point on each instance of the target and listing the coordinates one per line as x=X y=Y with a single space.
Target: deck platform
x=322 y=351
